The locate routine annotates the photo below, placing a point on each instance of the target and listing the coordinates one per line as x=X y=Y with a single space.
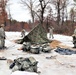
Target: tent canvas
x=37 y=35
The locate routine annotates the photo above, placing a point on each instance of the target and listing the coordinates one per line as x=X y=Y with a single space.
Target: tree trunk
x=58 y=14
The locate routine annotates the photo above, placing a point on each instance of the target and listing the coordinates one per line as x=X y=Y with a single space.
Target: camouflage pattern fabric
x=74 y=40
x=24 y=64
x=38 y=35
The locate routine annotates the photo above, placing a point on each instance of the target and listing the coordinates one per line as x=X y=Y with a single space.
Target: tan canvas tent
x=37 y=35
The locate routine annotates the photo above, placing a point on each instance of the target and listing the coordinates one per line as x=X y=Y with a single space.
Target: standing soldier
x=74 y=37
x=2 y=36
x=23 y=33
x=51 y=32
x=75 y=31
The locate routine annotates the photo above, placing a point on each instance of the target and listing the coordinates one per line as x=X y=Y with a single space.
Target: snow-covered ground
x=59 y=65
x=66 y=40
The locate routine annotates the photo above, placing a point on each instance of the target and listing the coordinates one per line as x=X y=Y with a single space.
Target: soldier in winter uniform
x=75 y=31
x=2 y=36
x=74 y=37
x=23 y=33
x=51 y=32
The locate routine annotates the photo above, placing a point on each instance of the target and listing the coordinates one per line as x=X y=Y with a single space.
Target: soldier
x=2 y=36
x=23 y=33
x=75 y=31
x=51 y=32
x=74 y=37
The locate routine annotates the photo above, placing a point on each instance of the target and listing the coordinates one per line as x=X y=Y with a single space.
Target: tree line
x=45 y=12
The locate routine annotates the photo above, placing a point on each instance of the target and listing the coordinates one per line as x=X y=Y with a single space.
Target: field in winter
x=56 y=65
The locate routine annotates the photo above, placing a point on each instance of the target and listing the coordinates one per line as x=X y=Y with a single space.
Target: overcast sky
x=18 y=12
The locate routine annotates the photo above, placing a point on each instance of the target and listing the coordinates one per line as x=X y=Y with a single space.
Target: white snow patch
x=23 y=73
x=60 y=65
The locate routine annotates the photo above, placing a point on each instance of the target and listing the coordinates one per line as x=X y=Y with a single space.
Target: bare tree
x=60 y=6
x=57 y=2
x=43 y=5
x=65 y=3
x=9 y=12
x=72 y=15
x=36 y=8
x=30 y=4
x=3 y=13
x=49 y=18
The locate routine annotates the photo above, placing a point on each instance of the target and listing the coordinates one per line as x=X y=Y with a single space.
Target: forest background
x=48 y=13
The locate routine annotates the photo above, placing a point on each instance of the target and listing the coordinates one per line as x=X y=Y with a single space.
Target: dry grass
x=56 y=43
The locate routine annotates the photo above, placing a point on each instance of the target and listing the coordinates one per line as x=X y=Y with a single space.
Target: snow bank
x=60 y=65
x=23 y=73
